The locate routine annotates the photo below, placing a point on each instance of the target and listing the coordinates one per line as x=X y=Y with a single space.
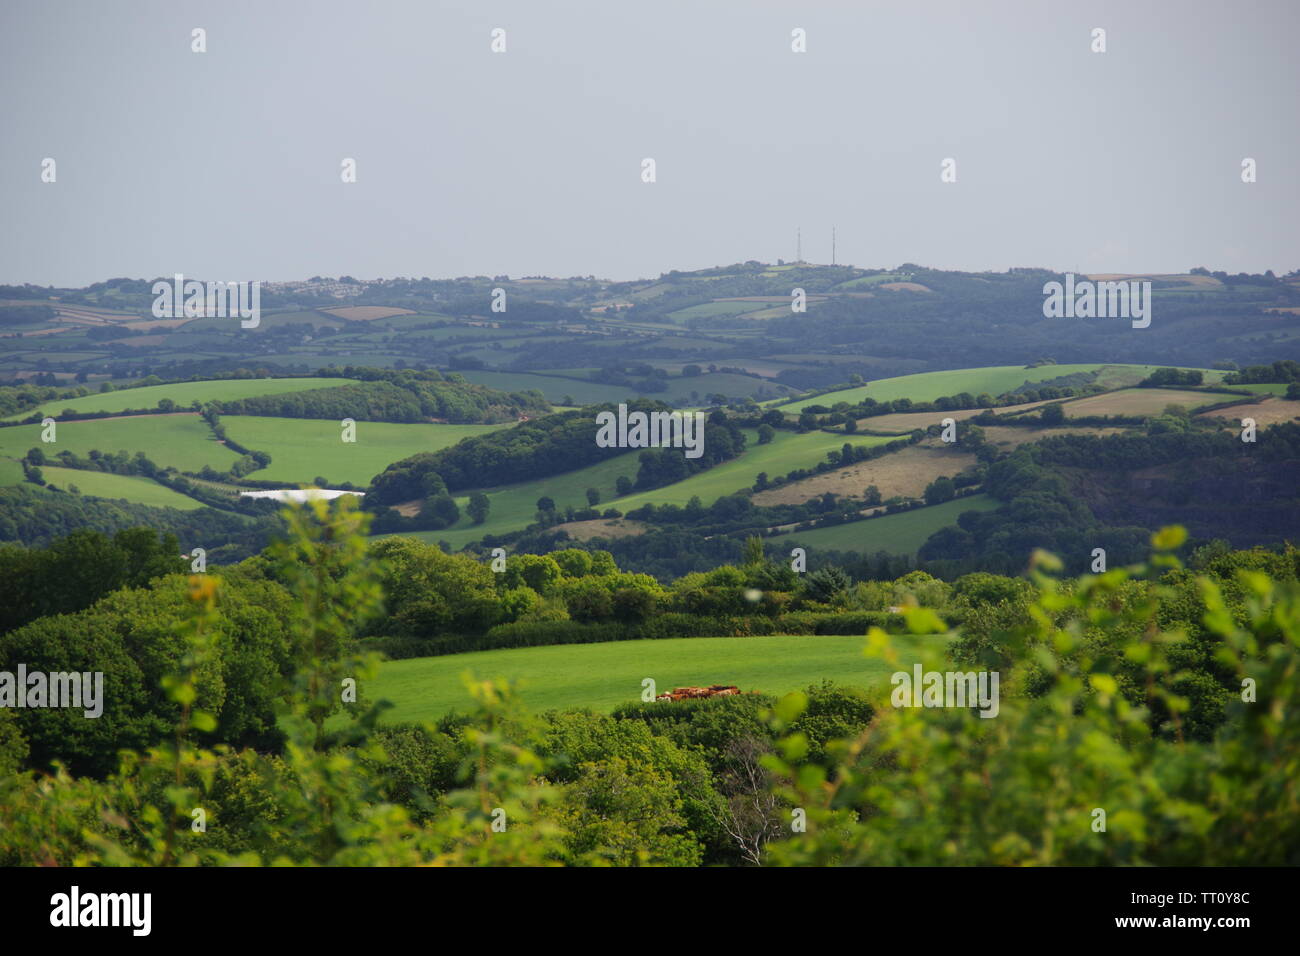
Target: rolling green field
x=901 y=533
x=693 y=391
x=104 y=485
x=785 y=452
x=679 y=391
x=552 y=386
x=712 y=309
x=182 y=441
x=927 y=386
x=603 y=676
x=303 y=448
x=182 y=394
x=513 y=506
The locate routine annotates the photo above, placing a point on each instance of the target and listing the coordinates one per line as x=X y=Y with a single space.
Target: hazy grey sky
x=226 y=164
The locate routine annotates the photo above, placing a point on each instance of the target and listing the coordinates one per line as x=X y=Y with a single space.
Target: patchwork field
x=128 y=487
x=905 y=472
x=181 y=441
x=269 y=320
x=603 y=676
x=901 y=533
x=785 y=452
x=183 y=394
x=513 y=506
x=553 y=387
x=682 y=392
x=716 y=308
x=303 y=448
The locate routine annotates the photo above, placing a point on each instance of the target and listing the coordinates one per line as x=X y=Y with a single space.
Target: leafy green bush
x=1075 y=774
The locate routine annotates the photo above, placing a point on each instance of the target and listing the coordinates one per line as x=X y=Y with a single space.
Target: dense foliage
x=397 y=396
x=1162 y=697
x=541 y=448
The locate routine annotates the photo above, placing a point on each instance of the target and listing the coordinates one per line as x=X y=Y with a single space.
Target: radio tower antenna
x=798 y=245
x=832 y=245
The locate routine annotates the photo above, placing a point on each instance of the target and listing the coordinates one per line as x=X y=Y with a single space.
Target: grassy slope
x=182 y=441
x=11 y=472
x=104 y=485
x=553 y=387
x=1261 y=388
x=1140 y=401
x=784 y=453
x=182 y=394
x=303 y=448
x=927 y=386
x=556 y=387
x=897 y=533
x=602 y=676
x=513 y=506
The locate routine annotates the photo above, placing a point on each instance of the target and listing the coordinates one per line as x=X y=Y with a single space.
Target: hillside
x=681 y=336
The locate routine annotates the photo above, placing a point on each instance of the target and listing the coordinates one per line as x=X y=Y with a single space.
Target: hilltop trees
x=77 y=570
x=940 y=490
x=1173 y=378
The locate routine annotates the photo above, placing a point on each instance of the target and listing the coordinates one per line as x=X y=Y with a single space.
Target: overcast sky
x=226 y=164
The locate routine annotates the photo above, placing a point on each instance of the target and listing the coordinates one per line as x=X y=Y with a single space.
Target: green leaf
x=1169 y=538
x=789 y=707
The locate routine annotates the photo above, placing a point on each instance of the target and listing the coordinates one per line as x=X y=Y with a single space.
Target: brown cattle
x=689 y=693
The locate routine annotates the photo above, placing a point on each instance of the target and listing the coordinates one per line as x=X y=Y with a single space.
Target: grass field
x=11 y=471
x=303 y=448
x=603 y=676
x=182 y=394
x=513 y=506
x=1139 y=401
x=182 y=441
x=553 y=387
x=1271 y=411
x=104 y=485
x=679 y=391
x=901 y=533
x=727 y=383
x=996 y=379
x=905 y=472
x=713 y=309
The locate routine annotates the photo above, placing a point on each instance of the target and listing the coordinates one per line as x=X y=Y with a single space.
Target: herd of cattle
x=689 y=693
